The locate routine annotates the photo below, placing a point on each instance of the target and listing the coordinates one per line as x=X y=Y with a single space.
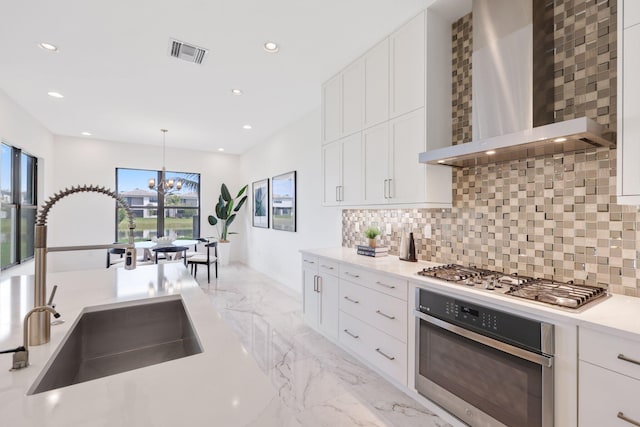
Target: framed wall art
x=283 y=202
x=261 y=203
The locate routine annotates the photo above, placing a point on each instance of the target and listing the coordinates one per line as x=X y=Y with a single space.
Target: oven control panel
x=520 y=331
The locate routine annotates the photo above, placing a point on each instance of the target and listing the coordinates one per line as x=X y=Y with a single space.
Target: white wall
x=273 y=252
x=21 y=130
x=86 y=218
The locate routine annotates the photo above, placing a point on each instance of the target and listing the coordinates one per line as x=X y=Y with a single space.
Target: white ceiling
x=120 y=84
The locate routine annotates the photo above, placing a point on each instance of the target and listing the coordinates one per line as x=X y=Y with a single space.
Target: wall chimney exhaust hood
x=513 y=90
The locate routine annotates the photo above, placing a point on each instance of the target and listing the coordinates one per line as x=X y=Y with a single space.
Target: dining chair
x=204 y=256
x=115 y=260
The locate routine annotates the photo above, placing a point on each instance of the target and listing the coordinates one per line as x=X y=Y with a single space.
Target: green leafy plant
x=226 y=210
x=371 y=232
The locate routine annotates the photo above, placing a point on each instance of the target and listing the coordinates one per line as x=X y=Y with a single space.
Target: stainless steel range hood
x=513 y=90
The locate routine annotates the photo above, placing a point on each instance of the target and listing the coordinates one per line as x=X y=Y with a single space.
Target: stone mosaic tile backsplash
x=552 y=217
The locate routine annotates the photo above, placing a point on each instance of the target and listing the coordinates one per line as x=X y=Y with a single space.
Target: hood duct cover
x=513 y=90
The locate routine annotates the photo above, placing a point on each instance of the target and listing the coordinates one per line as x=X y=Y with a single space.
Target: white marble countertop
x=222 y=385
x=617 y=314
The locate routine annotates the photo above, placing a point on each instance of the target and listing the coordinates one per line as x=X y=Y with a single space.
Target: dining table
x=177 y=247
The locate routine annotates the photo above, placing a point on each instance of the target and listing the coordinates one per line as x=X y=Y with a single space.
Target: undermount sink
x=112 y=340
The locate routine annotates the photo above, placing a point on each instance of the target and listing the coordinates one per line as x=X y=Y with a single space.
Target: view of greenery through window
x=176 y=214
x=19 y=205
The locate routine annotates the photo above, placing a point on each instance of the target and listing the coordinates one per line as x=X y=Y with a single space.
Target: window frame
x=160 y=205
x=16 y=200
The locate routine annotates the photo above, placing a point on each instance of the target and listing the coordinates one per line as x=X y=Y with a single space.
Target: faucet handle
x=53 y=294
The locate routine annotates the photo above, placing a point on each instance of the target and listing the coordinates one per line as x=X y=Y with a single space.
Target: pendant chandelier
x=164 y=184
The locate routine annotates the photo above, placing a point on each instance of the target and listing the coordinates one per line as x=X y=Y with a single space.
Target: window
x=178 y=212
x=19 y=205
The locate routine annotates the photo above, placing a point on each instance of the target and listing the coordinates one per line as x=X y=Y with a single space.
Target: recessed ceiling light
x=48 y=46
x=86 y=133
x=271 y=47
x=490 y=152
x=247 y=127
x=237 y=92
x=220 y=149
x=440 y=161
x=560 y=140
x=55 y=95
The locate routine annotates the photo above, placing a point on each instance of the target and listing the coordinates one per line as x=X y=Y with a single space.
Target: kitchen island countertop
x=220 y=386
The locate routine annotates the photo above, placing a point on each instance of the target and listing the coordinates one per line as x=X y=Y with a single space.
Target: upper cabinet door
x=629 y=139
x=408 y=51
x=408 y=175
x=631 y=10
x=376 y=84
x=331 y=173
x=352 y=95
x=332 y=109
x=375 y=151
x=351 y=189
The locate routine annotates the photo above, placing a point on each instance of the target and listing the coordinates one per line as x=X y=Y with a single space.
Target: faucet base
x=39 y=328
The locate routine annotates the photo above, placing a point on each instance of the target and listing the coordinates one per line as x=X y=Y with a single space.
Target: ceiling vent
x=187 y=52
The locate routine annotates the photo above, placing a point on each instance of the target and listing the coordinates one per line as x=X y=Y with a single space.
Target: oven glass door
x=506 y=387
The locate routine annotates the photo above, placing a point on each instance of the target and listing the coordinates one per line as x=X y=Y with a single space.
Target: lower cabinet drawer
x=610 y=351
x=379 y=310
x=384 y=352
x=606 y=398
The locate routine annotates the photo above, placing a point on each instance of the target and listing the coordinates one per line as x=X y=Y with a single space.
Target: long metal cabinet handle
x=337 y=196
x=352 y=275
x=384 y=354
x=385 y=285
x=540 y=359
x=627 y=359
x=352 y=300
x=385 y=315
x=319 y=284
x=315 y=283
x=623 y=417
x=390 y=196
x=328 y=267
x=308 y=262
x=385 y=188
x=346 y=331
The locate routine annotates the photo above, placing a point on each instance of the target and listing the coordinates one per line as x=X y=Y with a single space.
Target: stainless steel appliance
x=566 y=295
x=487 y=367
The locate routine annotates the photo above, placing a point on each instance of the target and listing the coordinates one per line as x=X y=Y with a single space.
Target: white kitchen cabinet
x=376 y=84
x=630 y=12
x=628 y=144
x=608 y=379
x=332 y=109
x=407 y=61
x=352 y=97
x=375 y=152
x=407 y=177
x=342 y=171
x=321 y=290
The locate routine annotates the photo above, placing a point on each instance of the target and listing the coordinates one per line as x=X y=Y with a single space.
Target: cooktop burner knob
x=489 y=285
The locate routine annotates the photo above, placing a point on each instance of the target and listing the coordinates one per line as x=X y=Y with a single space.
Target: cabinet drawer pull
x=315 y=283
x=308 y=262
x=385 y=285
x=627 y=359
x=385 y=315
x=351 y=274
x=346 y=331
x=623 y=417
x=328 y=267
x=385 y=355
x=352 y=300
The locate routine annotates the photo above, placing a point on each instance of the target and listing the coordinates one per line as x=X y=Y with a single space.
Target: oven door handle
x=540 y=359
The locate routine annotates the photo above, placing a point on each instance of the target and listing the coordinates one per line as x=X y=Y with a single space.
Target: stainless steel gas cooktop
x=561 y=294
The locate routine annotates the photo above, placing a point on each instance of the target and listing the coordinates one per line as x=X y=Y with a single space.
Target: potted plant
x=225 y=213
x=372 y=233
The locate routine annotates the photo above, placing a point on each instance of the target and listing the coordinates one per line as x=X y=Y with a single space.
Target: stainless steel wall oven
x=487 y=367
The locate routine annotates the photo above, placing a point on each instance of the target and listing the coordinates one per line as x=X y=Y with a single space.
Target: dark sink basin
x=114 y=340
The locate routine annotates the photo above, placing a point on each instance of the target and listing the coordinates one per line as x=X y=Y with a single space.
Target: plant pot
x=224 y=252
x=372 y=243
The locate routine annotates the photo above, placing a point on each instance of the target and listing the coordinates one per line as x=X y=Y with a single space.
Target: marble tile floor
x=318 y=383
